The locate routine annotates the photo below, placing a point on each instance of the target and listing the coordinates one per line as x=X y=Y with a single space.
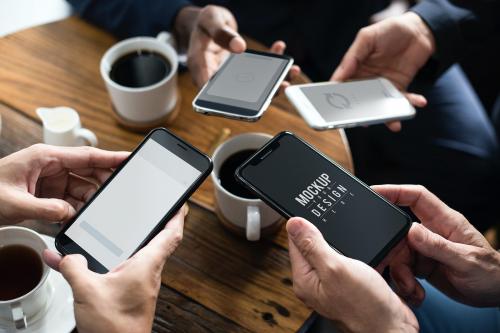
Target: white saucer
x=59 y=317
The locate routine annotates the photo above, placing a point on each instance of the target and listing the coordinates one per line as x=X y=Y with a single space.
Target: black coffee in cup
x=140 y=68
x=21 y=269
x=227 y=177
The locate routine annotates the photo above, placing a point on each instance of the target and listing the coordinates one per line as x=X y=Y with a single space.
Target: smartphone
x=136 y=201
x=295 y=179
x=330 y=105
x=244 y=85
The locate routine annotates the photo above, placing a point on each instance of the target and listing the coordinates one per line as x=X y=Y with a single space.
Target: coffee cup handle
x=253 y=223
x=166 y=37
x=87 y=135
x=18 y=316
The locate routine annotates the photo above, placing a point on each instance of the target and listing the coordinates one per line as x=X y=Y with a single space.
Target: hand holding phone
x=297 y=180
x=330 y=105
x=136 y=201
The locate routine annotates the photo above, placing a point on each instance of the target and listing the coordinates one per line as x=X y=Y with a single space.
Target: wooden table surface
x=215 y=281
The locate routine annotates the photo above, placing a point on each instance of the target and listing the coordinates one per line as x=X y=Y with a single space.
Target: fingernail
x=418 y=235
x=293 y=228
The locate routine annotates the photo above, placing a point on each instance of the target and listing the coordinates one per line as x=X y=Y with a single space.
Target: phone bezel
x=236 y=112
x=270 y=146
x=316 y=121
x=65 y=245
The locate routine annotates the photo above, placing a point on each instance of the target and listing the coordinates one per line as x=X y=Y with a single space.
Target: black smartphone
x=136 y=201
x=244 y=85
x=297 y=180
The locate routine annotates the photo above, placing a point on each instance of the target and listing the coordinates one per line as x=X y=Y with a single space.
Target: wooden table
x=216 y=281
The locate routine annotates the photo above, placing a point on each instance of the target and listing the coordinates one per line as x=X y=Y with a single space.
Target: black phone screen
x=292 y=176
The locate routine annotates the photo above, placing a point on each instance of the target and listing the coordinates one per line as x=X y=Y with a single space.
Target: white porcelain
x=58 y=317
x=62 y=127
x=252 y=215
x=25 y=307
x=149 y=103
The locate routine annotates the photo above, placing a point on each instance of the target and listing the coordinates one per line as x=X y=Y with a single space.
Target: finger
x=310 y=243
x=74 y=269
x=283 y=86
x=300 y=266
x=278 y=47
x=394 y=126
x=427 y=207
x=294 y=72
x=165 y=243
x=52 y=210
x=79 y=157
x=76 y=204
x=407 y=285
x=97 y=175
x=80 y=189
x=434 y=246
x=220 y=25
x=359 y=51
x=416 y=100
x=52 y=259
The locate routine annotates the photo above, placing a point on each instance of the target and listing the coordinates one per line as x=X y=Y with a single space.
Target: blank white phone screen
x=357 y=99
x=132 y=204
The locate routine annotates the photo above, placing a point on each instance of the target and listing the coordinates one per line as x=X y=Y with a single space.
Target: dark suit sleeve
x=126 y=18
x=458 y=27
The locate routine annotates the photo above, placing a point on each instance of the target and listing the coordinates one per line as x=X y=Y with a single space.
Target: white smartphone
x=244 y=85
x=329 y=105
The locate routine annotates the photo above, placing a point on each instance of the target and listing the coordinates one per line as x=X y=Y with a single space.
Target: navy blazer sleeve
x=126 y=18
x=458 y=27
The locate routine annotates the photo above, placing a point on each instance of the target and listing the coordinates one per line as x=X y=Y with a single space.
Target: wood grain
x=39 y=75
x=216 y=281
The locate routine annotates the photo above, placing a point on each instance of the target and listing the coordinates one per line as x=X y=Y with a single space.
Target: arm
x=457 y=26
x=125 y=18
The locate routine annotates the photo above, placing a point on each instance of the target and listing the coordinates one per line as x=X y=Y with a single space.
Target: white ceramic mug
x=144 y=104
x=62 y=127
x=19 y=311
x=250 y=215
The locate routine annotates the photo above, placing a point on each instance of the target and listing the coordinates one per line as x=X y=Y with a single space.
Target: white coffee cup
x=144 y=104
x=249 y=215
x=62 y=127
x=19 y=311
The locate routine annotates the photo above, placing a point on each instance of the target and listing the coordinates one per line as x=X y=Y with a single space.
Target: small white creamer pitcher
x=62 y=127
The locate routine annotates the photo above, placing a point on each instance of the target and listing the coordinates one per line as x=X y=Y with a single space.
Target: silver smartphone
x=329 y=105
x=244 y=85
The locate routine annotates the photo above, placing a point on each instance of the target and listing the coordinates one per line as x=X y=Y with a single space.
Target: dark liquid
x=21 y=270
x=227 y=177
x=140 y=69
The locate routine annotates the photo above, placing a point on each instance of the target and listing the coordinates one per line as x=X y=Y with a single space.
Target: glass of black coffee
x=228 y=179
x=21 y=269
x=140 y=68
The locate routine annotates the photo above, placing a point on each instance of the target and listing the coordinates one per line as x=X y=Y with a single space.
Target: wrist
x=424 y=33
x=184 y=24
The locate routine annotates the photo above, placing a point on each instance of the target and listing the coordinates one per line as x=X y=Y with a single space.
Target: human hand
x=395 y=48
x=445 y=249
x=213 y=34
x=124 y=299
x=347 y=291
x=39 y=182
